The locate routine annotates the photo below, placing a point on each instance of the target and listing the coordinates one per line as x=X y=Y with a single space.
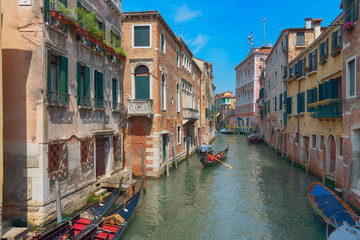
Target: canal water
x=262 y=197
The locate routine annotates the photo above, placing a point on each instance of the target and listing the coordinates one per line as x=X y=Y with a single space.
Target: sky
x=217 y=31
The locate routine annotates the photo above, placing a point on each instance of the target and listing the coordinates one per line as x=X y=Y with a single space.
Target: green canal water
x=262 y=197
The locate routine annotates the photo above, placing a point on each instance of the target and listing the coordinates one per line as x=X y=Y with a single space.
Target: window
x=178 y=134
x=116 y=94
x=313 y=140
x=280 y=101
x=351 y=10
x=177 y=58
x=57 y=158
x=83 y=86
x=275 y=78
x=142 y=83
x=57 y=80
x=351 y=77
x=163 y=42
x=324 y=50
x=300 y=39
x=336 y=40
x=142 y=36
x=86 y=152
x=115 y=39
x=311 y=95
x=313 y=61
x=98 y=90
x=340 y=145
x=163 y=92
x=321 y=142
x=296 y=137
x=275 y=101
x=48 y=6
x=177 y=97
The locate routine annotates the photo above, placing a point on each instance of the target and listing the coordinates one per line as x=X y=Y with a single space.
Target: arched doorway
x=142 y=83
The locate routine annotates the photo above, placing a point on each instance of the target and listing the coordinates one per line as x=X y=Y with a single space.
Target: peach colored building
x=62 y=108
x=161 y=92
x=247 y=86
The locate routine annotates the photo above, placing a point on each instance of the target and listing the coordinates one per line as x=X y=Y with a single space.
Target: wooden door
x=332 y=157
x=100 y=156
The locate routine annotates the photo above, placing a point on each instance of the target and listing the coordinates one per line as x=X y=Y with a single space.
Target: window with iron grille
x=117 y=147
x=57 y=160
x=87 y=153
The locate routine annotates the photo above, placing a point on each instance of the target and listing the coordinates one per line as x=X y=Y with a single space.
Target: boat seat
x=83 y=221
x=109 y=229
x=79 y=226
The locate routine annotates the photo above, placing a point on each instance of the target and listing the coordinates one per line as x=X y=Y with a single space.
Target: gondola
x=112 y=226
x=326 y=203
x=226 y=131
x=207 y=160
x=209 y=149
x=255 y=138
x=73 y=226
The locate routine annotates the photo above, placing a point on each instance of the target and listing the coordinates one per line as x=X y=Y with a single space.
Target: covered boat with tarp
x=326 y=203
x=208 y=160
x=255 y=138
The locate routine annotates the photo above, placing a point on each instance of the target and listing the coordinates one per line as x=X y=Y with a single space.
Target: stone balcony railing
x=140 y=107
x=190 y=113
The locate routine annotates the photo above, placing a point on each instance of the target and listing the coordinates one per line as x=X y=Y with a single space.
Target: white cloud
x=183 y=14
x=199 y=42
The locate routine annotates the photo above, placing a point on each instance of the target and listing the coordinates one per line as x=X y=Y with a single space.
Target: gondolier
x=203 y=149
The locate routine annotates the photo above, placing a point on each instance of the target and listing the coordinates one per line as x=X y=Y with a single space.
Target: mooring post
x=167 y=162
x=324 y=165
x=143 y=167
x=130 y=176
x=174 y=147
x=294 y=145
x=348 y=179
x=282 y=145
x=306 y=155
x=58 y=201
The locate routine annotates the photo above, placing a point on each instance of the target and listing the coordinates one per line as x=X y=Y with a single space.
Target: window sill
x=99 y=109
x=57 y=30
x=84 y=107
x=301 y=78
x=141 y=47
x=323 y=61
x=311 y=73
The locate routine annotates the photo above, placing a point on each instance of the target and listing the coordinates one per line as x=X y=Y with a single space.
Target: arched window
x=142 y=83
x=163 y=92
x=177 y=58
x=162 y=42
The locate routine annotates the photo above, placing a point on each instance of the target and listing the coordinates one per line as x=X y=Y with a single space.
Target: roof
x=259 y=50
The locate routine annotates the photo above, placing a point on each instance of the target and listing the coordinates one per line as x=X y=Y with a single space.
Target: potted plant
x=348 y=27
x=323 y=58
x=307 y=69
x=336 y=51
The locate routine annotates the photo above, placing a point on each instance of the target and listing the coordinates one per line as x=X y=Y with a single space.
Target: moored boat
x=255 y=138
x=326 y=203
x=208 y=160
x=226 y=131
x=73 y=226
x=118 y=217
x=345 y=232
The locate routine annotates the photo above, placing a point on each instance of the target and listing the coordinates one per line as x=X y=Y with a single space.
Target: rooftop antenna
x=264 y=19
x=251 y=41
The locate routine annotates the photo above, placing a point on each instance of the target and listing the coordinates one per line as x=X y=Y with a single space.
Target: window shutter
x=309 y=99
x=114 y=91
x=311 y=61
x=281 y=101
x=101 y=85
x=327 y=90
x=321 y=92
x=327 y=47
x=48 y=69
x=46 y=10
x=316 y=59
x=275 y=102
x=333 y=40
x=63 y=75
x=302 y=99
x=297 y=103
x=141 y=36
x=78 y=74
x=87 y=82
x=352 y=78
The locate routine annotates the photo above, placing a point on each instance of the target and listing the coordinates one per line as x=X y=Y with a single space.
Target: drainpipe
x=58 y=201
x=298 y=136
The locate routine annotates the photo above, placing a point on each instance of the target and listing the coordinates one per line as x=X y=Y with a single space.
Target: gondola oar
x=220 y=161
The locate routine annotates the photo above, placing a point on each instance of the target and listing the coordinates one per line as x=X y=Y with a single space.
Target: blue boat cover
x=329 y=205
x=319 y=190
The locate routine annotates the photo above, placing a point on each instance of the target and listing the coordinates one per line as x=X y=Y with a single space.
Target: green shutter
x=87 y=82
x=352 y=78
x=63 y=75
x=78 y=74
x=142 y=87
x=101 y=85
x=316 y=59
x=141 y=36
x=64 y=2
x=326 y=90
x=334 y=88
x=309 y=99
x=46 y=10
x=302 y=101
x=281 y=101
x=79 y=4
x=114 y=91
x=48 y=69
x=315 y=95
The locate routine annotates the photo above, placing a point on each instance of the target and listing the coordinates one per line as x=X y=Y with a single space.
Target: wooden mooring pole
x=143 y=168
x=324 y=164
x=174 y=147
x=130 y=176
x=348 y=179
x=282 y=146
x=306 y=156
x=294 y=145
x=167 y=161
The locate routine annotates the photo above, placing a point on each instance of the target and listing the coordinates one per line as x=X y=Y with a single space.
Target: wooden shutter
x=48 y=69
x=114 y=91
x=142 y=87
x=87 y=82
x=326 y=90
x=101 y=86
x=315 y=59
x=352 y=78
x=281 y=101
x=78 y=76
x=141 y=36
x=302 y=101
x=63 y=75
x=309 y=99
x=46 y=10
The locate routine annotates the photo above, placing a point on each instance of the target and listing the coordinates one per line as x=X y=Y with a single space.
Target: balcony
x=99 y=104
x=117 y=107
x=140 y=107
x=190 y=114
x=57 y=99
x=261 y=103
x=330 y=110
x=84 y=102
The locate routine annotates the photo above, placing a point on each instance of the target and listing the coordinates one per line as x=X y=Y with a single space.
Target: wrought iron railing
x=140 y=107
x=53 y=98
x=190 y=113
x=328 y=111
x=99 y=104
x=117 y=107
x=84 y=102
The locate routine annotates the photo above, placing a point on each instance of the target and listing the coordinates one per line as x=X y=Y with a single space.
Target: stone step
x=125 y=184
x=14 y=233
x=100 y=192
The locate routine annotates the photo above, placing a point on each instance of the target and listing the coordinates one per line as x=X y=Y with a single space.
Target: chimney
x=308 y=23
x=317 y=29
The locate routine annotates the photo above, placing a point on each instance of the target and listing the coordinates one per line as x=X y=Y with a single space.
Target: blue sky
x=217 y=31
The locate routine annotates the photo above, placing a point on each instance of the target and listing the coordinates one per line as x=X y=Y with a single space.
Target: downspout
x=298 y=136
